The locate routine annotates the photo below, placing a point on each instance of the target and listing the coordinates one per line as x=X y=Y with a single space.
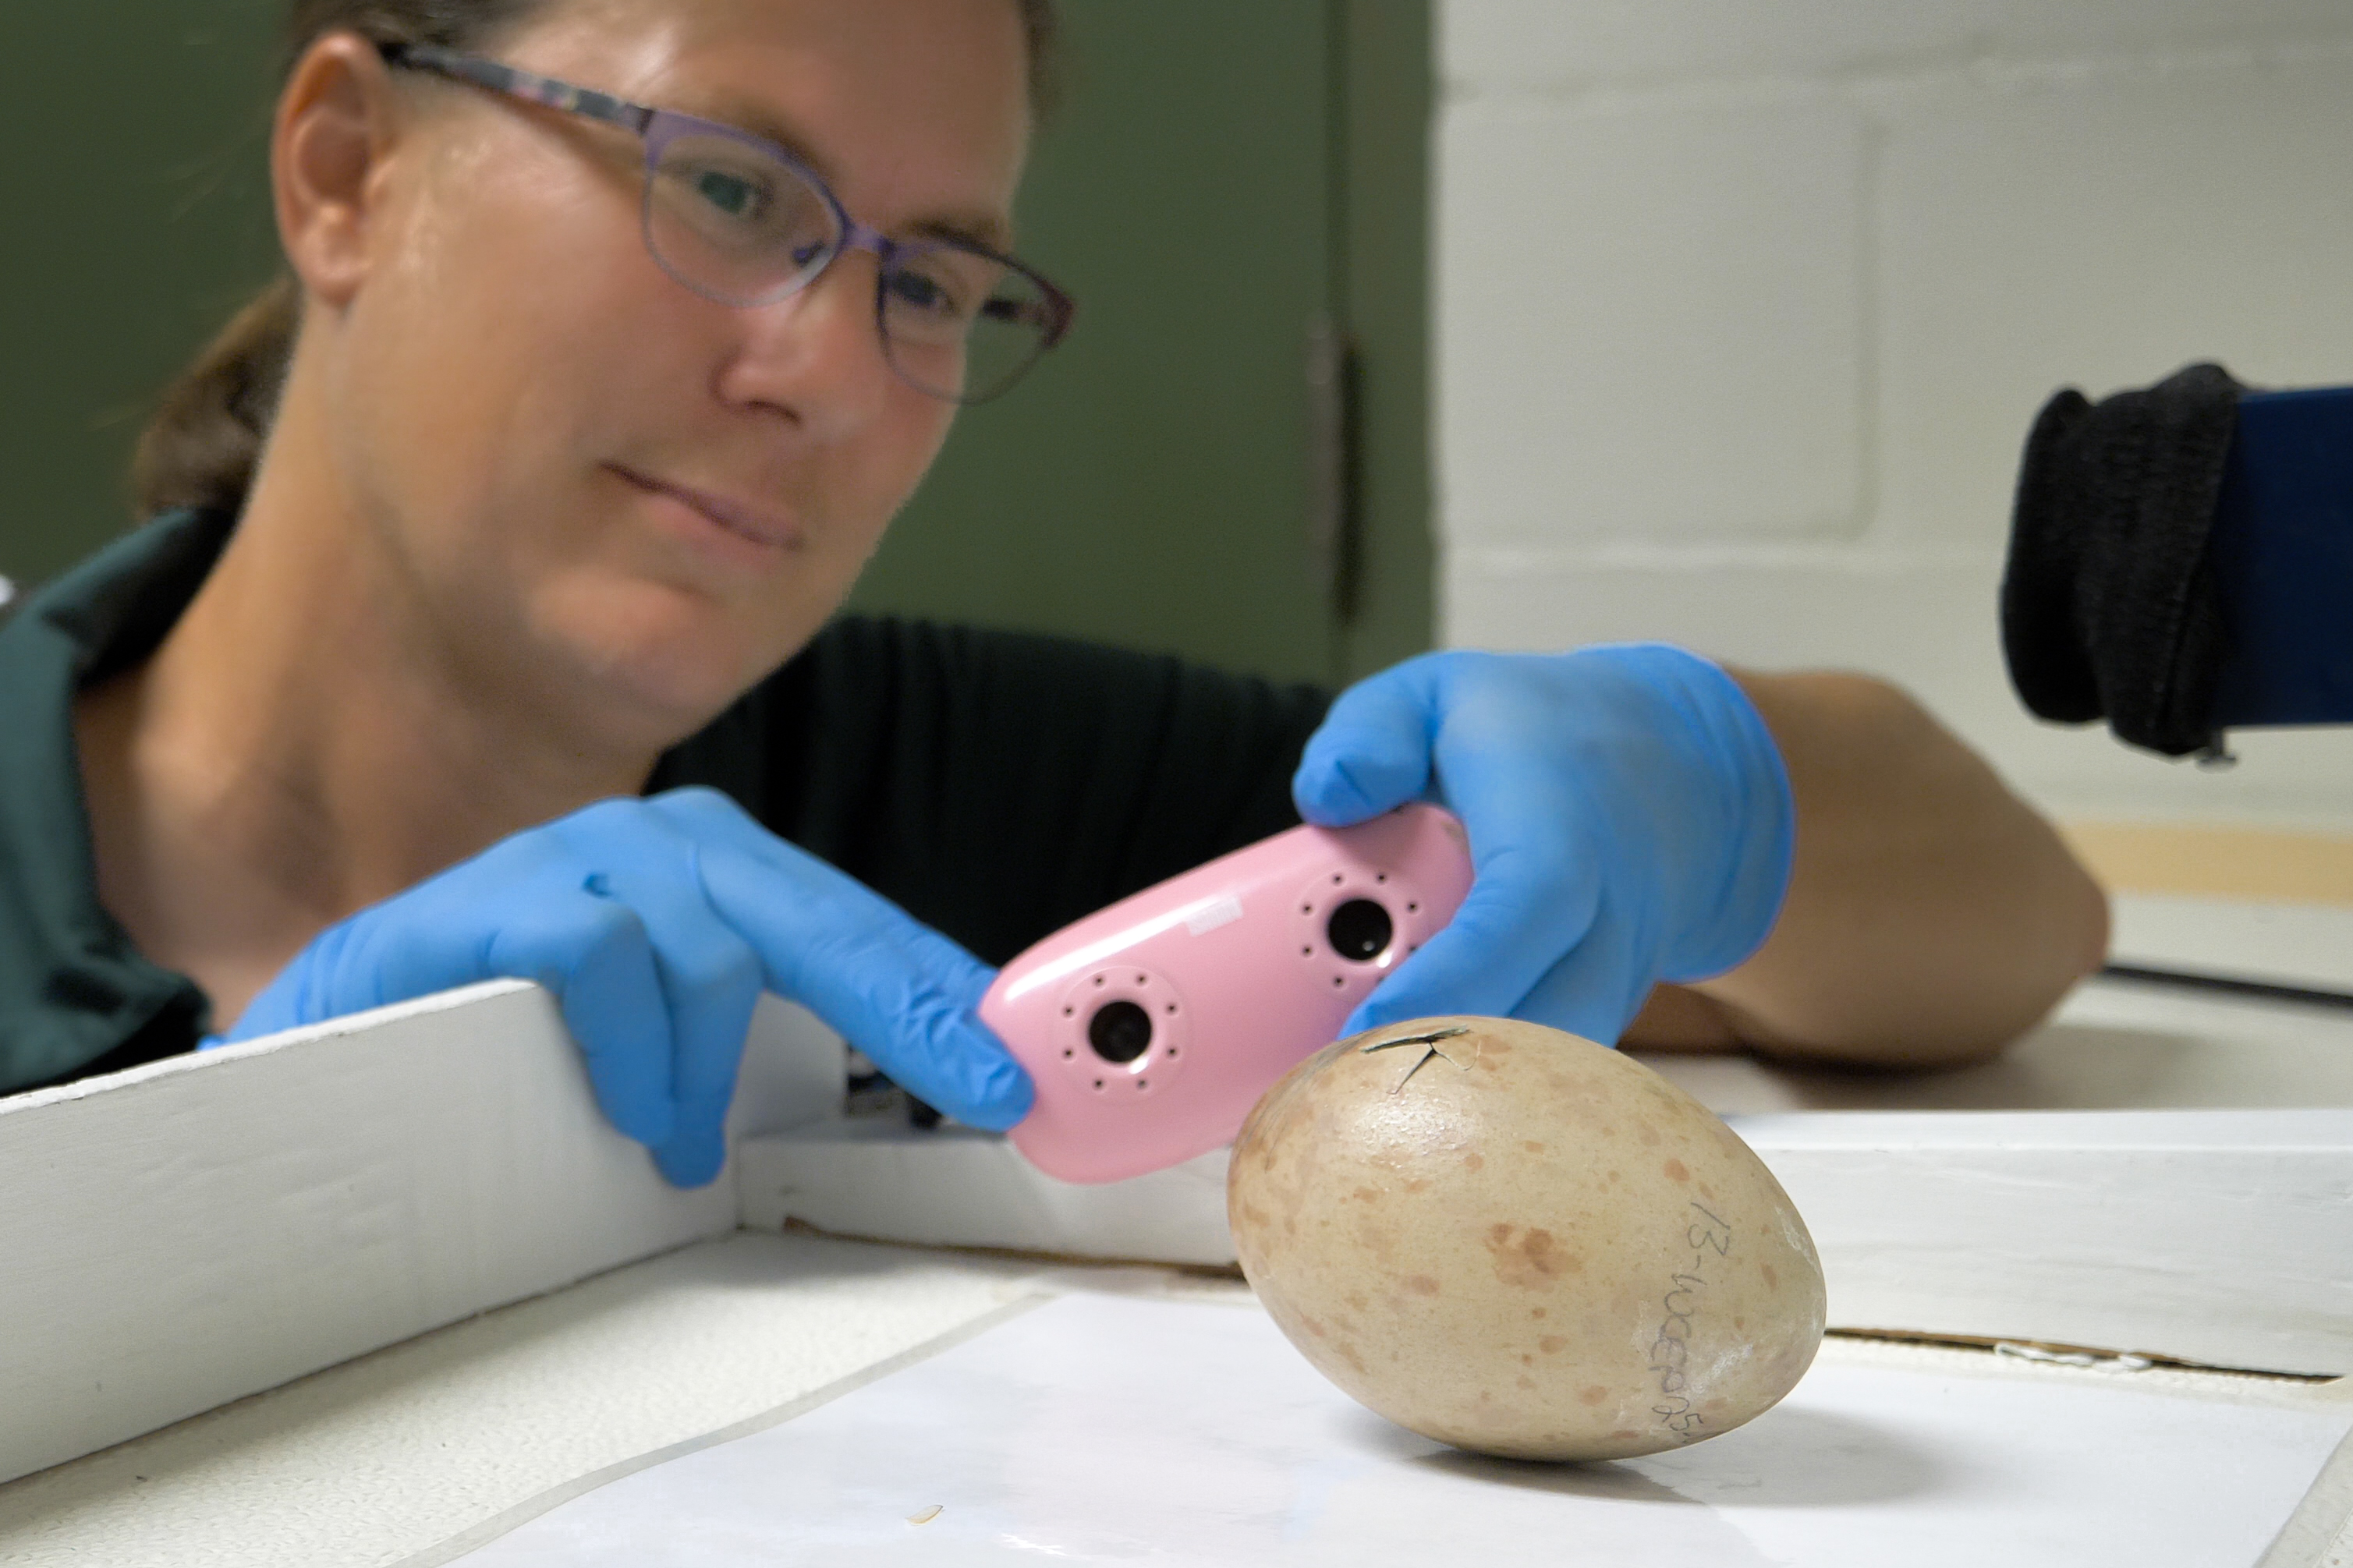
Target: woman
x=506 y=652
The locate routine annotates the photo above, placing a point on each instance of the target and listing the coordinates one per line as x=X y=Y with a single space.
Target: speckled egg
x=1519 y=1242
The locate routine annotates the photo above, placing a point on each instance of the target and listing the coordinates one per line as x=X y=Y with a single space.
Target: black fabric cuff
x=2108 y=601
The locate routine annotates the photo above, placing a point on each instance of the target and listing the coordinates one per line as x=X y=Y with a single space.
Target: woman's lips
x=740 y=518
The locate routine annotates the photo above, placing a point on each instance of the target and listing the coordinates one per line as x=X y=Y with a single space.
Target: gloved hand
x=657 y=923
x=1629 y=813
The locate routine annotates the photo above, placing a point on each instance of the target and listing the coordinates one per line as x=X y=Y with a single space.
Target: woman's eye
x=732 y=195
x=919 y=291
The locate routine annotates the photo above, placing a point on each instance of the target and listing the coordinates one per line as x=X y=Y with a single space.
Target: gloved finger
x=1596 y=990
x=715 y=981
x=696 y=1153
x=1526 y=908
x=591 y=953
x=895 y=989
x=710 y=980
x=594 y=954
x=710 y=976
x=1371 y=754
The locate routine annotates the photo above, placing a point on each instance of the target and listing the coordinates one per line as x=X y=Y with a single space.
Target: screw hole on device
x=1098 y=979
x=1339 y=980
x=1172 y=1007
x=1413 y=909
x=1143 y=1083
x=1068 y=1054
x=1144 y=979
x=1069 y=1012
x=1306 y=953
x=1335 y=879
x=1307 y=909
x=1172 y=1053
x=1099 y=1083
x=1381 y=877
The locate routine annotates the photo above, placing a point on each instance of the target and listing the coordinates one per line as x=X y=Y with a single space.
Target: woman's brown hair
x=203 y=444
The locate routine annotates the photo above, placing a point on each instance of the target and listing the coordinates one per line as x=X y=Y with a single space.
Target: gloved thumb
x=1372 y=753
x=1596 y=989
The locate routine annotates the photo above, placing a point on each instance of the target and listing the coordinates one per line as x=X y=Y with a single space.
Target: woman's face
x=601 y=487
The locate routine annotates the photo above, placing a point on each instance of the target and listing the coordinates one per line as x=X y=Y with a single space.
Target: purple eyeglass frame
x=658 y=128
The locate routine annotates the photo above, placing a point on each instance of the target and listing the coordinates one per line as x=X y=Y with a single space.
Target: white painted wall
x=1744 y=308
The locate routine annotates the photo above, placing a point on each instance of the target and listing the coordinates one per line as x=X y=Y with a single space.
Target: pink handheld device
x=1151 y=1027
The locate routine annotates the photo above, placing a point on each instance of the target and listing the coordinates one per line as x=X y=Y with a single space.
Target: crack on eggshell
x=1429 y=1049
x=1429 y=1040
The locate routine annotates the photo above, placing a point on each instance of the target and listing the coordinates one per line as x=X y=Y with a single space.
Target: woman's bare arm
x=1932 y=917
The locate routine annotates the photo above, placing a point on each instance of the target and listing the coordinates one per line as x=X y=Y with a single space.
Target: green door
x=1169 y=478
x=1225 y=461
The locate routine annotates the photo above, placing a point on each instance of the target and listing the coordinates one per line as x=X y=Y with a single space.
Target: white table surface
x=1090 y=1427
x=387 y=1457
x=380 y=1458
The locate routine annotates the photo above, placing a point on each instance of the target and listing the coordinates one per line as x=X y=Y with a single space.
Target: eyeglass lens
x=738 y=226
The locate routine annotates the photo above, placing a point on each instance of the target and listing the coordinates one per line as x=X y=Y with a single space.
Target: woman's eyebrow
x=750 y=114
x=985 y=230
x=972 y=226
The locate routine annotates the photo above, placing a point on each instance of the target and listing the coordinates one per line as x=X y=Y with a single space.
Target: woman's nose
x=816 y=356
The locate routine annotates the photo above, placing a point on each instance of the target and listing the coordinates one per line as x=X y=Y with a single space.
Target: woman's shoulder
x=112 y=609
x=74 y=996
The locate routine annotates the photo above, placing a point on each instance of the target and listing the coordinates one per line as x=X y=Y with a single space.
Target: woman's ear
x=337 y=123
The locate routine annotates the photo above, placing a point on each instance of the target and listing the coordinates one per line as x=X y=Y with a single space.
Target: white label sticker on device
x=1217 y=912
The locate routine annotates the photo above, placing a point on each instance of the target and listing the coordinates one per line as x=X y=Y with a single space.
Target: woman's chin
x=674 y=661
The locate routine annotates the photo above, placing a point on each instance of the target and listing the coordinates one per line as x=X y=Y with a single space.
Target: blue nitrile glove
x=657 y=923
x=1630 y=822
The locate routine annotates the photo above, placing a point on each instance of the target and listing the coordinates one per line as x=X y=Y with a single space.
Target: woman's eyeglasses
x=743 y=222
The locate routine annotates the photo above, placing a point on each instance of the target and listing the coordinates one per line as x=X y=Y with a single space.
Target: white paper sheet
x=1099 y=1429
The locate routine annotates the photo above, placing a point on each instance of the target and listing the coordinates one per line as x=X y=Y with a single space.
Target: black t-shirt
x=995 y=785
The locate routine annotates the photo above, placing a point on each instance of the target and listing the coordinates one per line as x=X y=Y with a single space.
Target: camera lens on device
x=1119 y=1031
x=1360 y=929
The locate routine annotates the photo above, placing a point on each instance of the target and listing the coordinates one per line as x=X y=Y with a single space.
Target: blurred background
x=1405 y=322
x=1743 y=308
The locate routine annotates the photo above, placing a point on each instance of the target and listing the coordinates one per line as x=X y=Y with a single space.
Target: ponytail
x=205 y=442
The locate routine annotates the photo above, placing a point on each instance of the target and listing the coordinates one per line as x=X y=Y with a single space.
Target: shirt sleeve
x=999 y=785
